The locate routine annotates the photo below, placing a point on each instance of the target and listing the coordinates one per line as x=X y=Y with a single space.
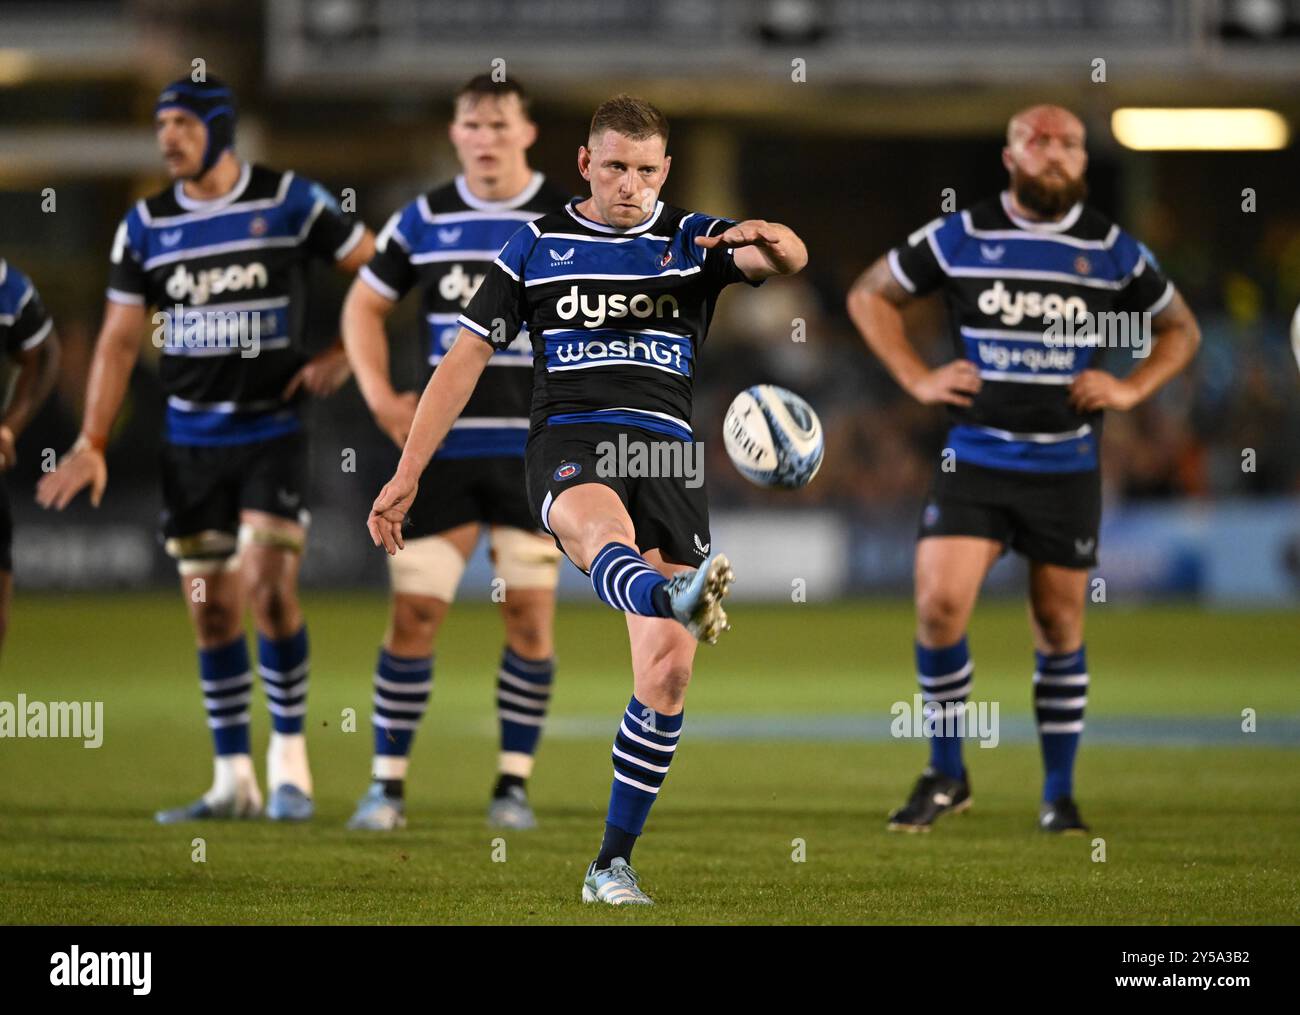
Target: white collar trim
x=1055 y=226
x=232 y=195
x=601 y=227
x=534 y=185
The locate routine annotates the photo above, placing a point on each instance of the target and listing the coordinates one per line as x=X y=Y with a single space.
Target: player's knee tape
x=525 y=560
x=252 y=535
x=428 y=566
x=207 y=552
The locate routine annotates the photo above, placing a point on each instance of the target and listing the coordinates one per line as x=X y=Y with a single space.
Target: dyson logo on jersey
x=654 y=352
x=458 y=285
x=1013 y=308
x=595 y=310
x=196 y=288
x=1002 y=357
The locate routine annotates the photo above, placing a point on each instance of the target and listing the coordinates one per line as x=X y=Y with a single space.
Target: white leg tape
x=428 y=566
x=525 y=560
x=209 y=552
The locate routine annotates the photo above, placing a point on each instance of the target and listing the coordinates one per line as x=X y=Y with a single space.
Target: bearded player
x=223 y=255
x=617 y=291
x=1020 y=469
x=31 y=349
x=443 y=243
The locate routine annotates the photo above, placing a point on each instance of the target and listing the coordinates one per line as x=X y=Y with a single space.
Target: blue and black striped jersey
x=228 y=278
x=444 y=242
x=616 y=316
x=1007 y=280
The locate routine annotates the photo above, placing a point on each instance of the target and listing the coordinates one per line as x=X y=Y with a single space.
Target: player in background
x=617 y=291
x=32 y=350
x=1027 y=415
x=443 y=242
x=223 y=255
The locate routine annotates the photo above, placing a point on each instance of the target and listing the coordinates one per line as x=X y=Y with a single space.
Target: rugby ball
x=773 y=437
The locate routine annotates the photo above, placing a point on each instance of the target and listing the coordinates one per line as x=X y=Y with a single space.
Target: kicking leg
x=597 y=533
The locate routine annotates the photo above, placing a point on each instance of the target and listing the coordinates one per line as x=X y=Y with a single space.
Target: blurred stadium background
x=901 y=100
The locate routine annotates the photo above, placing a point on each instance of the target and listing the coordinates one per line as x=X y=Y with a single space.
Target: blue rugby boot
x=615 y=886
x=377 y=812
x=696 y=597
x=289 y=803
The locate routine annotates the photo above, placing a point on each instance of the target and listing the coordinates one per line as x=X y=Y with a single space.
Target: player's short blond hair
x=632 y=117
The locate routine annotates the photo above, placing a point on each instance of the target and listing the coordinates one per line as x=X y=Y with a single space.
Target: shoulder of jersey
x=1091 y=225
x=673 y=218
x=557 y=221
x=985 y=214
x=443 y=199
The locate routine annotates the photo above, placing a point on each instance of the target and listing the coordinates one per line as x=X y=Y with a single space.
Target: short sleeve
x=914 y=264
x=1146 y=289
x=126 y=275
x=330 y=233
x=499 y=308
x=390 y=272
x=718 y=263
x=31 y=323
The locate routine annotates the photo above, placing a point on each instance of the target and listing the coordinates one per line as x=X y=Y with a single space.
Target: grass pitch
x=790 y=756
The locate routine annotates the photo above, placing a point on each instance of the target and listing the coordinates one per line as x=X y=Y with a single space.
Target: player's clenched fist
x=82 y=466
x=389 y=512
x=954 y=383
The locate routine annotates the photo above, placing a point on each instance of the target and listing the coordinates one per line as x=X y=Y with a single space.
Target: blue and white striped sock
x=624 y=580
x=523 y=693
x=1060 y=696
x=227 y=681
x=283 y=663
x=643 y=750
x=945 y=675
x=402 y=689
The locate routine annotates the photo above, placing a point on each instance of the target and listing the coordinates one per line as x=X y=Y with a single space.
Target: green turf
x=1200 y=835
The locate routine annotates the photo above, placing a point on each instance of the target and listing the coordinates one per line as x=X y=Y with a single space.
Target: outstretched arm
x=763 y=249
x=444 y=397
x=874 y=304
